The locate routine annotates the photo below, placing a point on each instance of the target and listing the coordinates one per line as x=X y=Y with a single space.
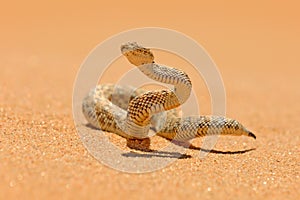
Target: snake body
x=131 y=112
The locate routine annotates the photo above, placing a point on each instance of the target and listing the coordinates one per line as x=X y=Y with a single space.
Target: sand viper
x=131 y=112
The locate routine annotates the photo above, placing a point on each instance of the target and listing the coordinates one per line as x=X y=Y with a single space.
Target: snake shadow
x=188 y=145
x=149 y=153
x=156 y=153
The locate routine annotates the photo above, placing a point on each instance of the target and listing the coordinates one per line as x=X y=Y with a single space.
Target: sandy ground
x=42 y=156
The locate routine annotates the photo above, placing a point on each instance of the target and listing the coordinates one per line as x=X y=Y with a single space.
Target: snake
x=131 y=113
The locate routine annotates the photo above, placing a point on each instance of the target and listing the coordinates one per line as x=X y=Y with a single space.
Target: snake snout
x=130 y=46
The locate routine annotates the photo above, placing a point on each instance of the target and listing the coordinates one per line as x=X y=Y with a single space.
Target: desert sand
x=256 y=48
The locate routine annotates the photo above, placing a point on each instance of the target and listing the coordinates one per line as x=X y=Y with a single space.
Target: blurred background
x=257 y=41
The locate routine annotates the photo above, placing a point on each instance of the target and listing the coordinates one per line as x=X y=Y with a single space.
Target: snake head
x=137 y=54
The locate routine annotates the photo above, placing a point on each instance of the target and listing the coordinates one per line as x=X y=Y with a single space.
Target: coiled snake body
x=130 y=113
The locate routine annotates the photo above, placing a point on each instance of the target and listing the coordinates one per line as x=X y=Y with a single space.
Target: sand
x=42 y=156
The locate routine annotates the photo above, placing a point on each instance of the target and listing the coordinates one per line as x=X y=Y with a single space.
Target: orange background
x=236 y=33
x=251 y=42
